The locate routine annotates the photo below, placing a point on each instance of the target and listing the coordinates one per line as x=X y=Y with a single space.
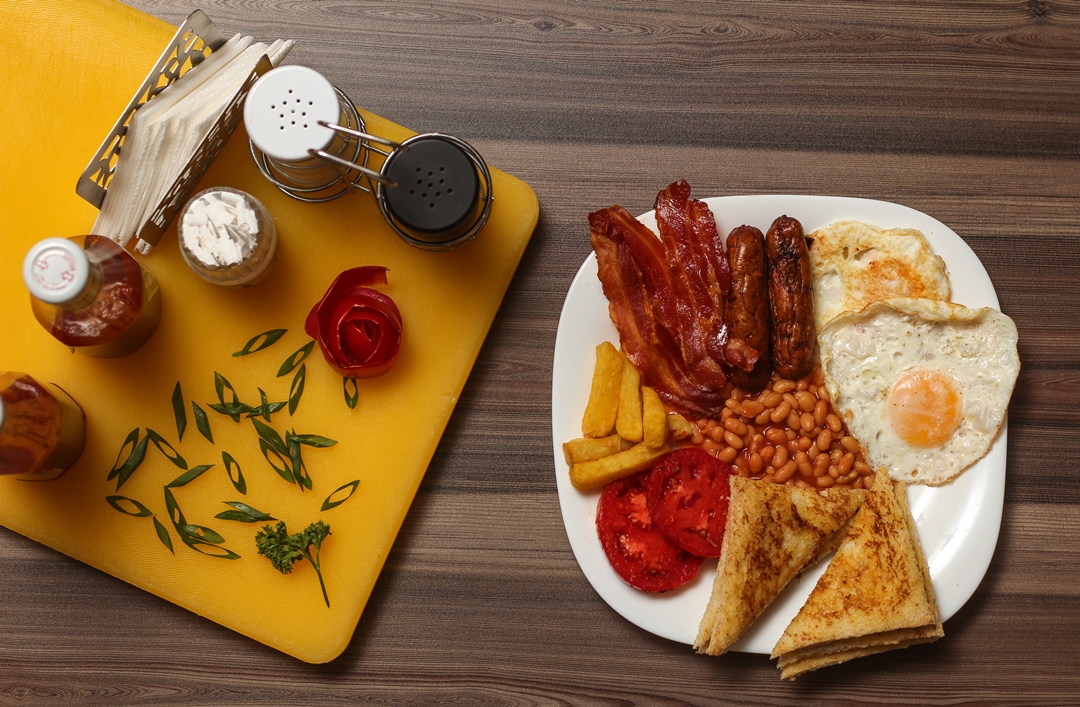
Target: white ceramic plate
x=958 y=523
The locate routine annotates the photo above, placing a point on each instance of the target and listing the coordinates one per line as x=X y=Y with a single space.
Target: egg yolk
x=925 y=408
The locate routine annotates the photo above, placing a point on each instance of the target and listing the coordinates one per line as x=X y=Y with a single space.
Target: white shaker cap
x=283 y=109
x=56 y=270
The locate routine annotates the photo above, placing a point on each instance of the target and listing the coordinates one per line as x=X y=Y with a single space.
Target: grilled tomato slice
x=636 y=549
x=687 y=494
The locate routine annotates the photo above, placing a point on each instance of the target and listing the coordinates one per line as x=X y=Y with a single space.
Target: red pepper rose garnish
x=358 y=329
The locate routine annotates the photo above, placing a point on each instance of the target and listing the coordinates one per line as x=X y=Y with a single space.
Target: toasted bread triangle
x=773 y=532
x=874 y=596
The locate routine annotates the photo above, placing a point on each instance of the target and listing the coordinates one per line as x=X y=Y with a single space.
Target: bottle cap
x=56 y=270
x=283 y=109
x=437 y=186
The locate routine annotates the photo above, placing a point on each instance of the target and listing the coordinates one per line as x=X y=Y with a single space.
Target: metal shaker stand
x=414 y=187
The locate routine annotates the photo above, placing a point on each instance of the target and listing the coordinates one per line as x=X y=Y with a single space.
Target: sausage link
x=747 y=312
x=791 y=299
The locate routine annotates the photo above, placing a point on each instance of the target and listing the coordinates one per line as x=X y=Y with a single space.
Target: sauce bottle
x=42 y=430
x=92 y=295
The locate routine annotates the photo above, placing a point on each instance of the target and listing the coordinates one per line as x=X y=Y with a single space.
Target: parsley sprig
x=283 y=549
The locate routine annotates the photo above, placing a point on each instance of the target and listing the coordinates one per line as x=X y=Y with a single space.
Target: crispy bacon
x=666 y=297
x=700 y=307
x=633 y=305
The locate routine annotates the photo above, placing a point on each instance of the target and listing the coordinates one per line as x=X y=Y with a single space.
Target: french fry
x=679 y=426
x=654 y=418
x=599 y=418
x=628 y=418
x=599 y=472
x=586 y=449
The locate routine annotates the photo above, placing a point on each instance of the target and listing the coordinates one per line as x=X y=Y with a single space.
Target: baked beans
x=735 y=425
x=786 y=434
x=752 y=408
x=780 y=412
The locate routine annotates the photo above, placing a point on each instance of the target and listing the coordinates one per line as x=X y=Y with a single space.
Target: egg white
x=855 y=263
x=863 y=354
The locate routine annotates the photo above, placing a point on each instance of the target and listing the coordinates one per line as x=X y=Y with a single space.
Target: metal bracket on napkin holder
x=194 y=41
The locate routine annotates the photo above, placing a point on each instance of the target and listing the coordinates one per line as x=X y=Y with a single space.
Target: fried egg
x=922 y=384
x=854 y=264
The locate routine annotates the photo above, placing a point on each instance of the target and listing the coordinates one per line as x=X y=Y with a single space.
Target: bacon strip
x=649 y=345
x=701 y=308
x=666 y=297
x=712 y=262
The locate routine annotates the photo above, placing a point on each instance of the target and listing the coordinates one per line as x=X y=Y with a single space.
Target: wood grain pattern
x=968 y=112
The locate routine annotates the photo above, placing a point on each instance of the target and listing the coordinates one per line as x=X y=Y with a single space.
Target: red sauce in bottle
x=112 y=308
x=42 y=430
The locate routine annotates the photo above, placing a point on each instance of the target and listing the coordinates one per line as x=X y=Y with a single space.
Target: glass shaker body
x=42 y=429
x=92 y=295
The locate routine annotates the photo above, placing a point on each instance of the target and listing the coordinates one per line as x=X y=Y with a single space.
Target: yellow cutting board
x=69 y=69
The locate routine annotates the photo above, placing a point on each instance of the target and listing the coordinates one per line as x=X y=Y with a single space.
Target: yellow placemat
x=70 y=68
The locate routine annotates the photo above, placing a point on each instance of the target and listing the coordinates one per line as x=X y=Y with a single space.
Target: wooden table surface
x=969 y=112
